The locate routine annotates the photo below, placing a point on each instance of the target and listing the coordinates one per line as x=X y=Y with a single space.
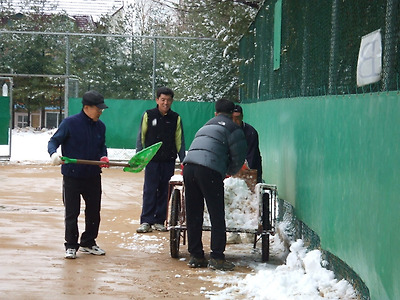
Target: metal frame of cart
x=266 y=218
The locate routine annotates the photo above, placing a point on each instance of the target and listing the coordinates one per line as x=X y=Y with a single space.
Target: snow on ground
x=302 y=277
x=29 y=145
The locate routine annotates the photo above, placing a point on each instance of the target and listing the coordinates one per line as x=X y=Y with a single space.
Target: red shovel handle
x=99 y=163
x=92 y=162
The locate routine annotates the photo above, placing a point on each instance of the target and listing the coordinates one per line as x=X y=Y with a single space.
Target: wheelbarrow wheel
x=174 y=234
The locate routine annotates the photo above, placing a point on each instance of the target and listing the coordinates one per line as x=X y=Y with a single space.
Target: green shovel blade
x=139 y=161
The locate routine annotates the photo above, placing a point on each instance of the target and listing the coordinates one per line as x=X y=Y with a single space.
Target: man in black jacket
x=82 y=136
x=218 y=149
x=159 y=124
x=253 y=156
x=253 y=159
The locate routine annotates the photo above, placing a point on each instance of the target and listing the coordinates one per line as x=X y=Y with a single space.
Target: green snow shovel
x=135 y=164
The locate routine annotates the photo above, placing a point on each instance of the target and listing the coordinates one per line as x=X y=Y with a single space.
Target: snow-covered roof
x=94 y=8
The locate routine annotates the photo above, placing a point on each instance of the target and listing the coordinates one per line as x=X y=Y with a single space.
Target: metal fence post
x=333 y=49
x=154 y=67
x=66 y=88
x=389 y=55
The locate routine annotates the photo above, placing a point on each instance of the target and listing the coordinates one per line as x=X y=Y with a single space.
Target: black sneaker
x=197 y=262
x=220 y=264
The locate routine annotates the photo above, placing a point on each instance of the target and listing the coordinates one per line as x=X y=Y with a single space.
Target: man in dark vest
x=159 y=124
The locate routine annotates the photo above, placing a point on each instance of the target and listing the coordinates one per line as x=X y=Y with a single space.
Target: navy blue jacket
x=253 y=156
x=81 y=138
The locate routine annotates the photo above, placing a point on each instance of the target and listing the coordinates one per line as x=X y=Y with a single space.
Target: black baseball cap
x=94 y=98
x=238 y=109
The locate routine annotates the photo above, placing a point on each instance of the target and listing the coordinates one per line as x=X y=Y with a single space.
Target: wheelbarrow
x=267 y=195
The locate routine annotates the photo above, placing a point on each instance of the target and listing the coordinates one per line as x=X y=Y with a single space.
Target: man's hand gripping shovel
x=135 y=164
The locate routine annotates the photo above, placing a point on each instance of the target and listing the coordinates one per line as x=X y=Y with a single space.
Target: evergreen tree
x=122 y=67
x=214 y=65
x=34 y=55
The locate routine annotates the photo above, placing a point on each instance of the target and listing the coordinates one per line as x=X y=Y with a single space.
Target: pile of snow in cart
x=241 y=205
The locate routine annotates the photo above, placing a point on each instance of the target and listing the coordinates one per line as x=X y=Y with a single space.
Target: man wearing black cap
x=82 y=136
x=218 y=149
x=253 y=156
x=253 y=159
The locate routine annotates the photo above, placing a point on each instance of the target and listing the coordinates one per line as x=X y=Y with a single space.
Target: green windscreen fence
x=122 y=118
x=311 y=48
x=4 y=120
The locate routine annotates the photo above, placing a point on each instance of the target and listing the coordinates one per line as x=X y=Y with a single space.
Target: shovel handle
x=67 y=160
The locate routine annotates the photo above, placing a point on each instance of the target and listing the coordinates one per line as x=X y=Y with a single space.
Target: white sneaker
x=70 y=253
x=160 y=227
x=95 y=250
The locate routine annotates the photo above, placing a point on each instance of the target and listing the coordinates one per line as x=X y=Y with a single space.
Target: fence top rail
x=107 y=35
x=8 y=75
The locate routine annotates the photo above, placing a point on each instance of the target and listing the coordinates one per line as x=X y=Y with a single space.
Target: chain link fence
x=120 y=66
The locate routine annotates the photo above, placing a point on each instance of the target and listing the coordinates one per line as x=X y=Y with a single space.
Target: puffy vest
x=162 y=129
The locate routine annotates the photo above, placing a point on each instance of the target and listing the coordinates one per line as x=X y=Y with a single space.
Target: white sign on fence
x=5 y=90
x=369 y=65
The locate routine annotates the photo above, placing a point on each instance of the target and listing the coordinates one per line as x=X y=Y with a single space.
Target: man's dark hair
x=224 y=106
x=166 y=91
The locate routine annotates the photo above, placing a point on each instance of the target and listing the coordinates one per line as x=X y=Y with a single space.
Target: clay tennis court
x=135 y=266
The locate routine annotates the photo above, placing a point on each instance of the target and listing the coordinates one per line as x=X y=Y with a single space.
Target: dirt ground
x=32 y=264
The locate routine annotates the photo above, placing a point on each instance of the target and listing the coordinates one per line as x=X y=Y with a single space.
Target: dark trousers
x=90 y=190
x=155 y=191
x=201 y=184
